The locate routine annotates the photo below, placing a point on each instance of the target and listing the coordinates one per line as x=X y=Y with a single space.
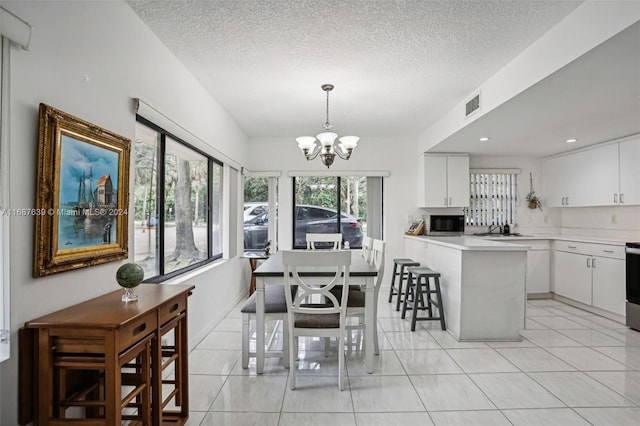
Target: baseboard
x=537 y=296
x=592 y=309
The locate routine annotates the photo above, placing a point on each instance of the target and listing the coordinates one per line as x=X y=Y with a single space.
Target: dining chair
x=367 y=245
x=312 y=239
x=275 y=308
x=313 y=310
x=356 y=305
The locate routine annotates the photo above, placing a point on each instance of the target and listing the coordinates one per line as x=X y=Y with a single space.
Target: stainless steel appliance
x=446 y=224
x=632 y=251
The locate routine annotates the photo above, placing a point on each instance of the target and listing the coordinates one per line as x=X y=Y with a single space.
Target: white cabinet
x=609 y=291
x=573 y=276
x=443 y=180
x=630 y=172
x=538 y=270
x=604 y=175
x=593 y=274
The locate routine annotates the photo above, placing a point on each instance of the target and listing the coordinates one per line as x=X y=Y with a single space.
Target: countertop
x=465 y=240
x=470 y=242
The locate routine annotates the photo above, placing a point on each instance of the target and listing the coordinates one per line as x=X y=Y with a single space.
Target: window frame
x=161 y=203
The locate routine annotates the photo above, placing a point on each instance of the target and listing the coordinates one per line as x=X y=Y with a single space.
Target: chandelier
x=324 y=145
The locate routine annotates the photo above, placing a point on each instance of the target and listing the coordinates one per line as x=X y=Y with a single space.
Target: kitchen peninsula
x=483 y=284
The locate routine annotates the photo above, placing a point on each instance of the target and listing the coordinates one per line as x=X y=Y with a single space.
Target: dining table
x=361 y=274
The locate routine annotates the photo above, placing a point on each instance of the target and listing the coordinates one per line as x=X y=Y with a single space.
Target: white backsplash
x=617 y=222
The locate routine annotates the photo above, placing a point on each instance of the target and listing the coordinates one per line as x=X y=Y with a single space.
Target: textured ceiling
x=397 y=66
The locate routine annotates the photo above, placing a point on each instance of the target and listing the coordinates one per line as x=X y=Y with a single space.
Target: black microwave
x=446 y=223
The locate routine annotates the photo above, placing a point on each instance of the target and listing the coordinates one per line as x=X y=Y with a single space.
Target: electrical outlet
x=614 y=219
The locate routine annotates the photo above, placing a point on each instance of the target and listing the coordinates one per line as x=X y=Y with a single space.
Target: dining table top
x=273 y=267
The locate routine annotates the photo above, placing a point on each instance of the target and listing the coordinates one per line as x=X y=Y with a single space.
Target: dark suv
x=309 y=219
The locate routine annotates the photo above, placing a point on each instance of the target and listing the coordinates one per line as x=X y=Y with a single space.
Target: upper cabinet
x=604 y=175
x=443 y=180
x=630 y=172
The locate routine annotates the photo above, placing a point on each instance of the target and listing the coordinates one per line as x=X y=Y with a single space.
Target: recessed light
x=572 y=140
x=484 y=139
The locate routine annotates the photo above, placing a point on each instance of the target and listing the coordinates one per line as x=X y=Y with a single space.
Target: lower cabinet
x=538 y=270
x=609 y=291
x=573 y=276
x=593 y=274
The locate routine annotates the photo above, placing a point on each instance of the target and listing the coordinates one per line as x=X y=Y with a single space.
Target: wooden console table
x=106 y=335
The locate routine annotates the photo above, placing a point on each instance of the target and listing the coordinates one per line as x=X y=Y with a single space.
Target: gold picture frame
x=82 y=194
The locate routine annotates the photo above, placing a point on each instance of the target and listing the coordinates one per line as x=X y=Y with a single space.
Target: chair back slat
x=312 y=239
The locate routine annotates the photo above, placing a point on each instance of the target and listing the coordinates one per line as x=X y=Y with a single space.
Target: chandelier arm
x=345 y=155
x=316 y=150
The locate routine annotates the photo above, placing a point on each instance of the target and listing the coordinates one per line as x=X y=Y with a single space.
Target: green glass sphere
x=130 y=275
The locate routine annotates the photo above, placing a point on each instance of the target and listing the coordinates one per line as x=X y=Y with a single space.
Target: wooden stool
x=421 y=290
x=403 y=263
x=79 y=381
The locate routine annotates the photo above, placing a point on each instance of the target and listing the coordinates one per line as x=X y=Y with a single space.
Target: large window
x=178 y=202
x=493 y=199
x=330 y=204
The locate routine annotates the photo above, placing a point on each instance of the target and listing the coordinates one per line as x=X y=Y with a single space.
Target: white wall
x=89 y=59
x=395 y=155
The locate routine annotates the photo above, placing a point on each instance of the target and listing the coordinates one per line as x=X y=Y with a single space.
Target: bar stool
x=403 y=263
x=421 y=290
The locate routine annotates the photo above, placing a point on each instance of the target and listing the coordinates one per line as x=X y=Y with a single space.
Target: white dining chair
x=312 y=239
x=356 y=305
x=275 y=308
x=313 y=310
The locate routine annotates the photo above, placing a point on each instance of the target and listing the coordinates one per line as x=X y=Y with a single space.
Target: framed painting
x=82 y=194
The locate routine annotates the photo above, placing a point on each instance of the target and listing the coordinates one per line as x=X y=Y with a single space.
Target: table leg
x=369 y=318
x=260 y=326
x=253 y=262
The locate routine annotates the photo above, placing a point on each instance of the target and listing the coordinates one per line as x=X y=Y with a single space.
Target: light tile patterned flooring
x=571 y=368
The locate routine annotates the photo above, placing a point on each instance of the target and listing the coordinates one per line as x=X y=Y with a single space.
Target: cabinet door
x=538 y=271
x=599 y=176
x=556 y=181
x=572 y=276
x=630 y=171
x=435 y=181
x=458 y=181
x=609 y=290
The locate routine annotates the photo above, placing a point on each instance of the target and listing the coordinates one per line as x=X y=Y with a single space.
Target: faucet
x=493 y=228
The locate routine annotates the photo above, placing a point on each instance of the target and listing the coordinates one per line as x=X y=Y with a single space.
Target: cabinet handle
x=567 y=201
x=562 y=201
x=588 y=262
x=445 y=201
x=608 y=251
x=621 y=198
x=593 y=262
x=615 y=198
x=572 y=247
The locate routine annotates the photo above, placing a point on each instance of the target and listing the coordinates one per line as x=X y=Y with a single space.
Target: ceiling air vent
x=472 y=105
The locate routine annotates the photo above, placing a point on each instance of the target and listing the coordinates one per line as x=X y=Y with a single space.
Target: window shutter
x=492 y=199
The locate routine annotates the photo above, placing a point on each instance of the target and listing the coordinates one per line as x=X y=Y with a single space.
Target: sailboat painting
x=88 y=199
x=82 y=194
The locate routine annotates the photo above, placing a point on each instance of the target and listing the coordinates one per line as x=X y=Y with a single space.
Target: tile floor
x=571 y=368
